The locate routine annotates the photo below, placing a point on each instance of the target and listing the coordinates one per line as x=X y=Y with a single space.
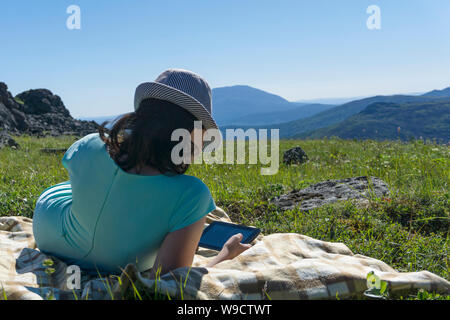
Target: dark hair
x=149 y=142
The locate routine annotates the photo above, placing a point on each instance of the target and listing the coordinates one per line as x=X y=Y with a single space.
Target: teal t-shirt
x=106 y=217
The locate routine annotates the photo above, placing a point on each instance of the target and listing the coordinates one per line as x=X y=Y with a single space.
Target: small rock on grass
x=331 y=191
x=295 y=156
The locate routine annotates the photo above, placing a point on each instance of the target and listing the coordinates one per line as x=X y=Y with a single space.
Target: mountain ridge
x=438 y=93
x=378 y=121
x=296 y=128
x=232 y=102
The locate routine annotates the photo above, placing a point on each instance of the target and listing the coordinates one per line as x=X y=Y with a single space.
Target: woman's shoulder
x=192 y=184
x=92 y=138
x=88 y=140
x=88 y=143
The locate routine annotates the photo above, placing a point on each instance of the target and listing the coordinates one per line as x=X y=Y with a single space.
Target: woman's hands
x=232 y=248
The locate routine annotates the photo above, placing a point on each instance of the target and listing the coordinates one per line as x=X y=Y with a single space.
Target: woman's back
x=108 y=217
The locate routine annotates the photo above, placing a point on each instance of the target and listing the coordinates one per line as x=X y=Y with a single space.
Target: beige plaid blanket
x=278 y=266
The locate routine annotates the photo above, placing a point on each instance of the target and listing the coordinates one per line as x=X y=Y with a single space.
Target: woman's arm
x=178 y=249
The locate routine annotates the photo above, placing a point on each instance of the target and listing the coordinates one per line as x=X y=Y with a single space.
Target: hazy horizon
x=327 y=100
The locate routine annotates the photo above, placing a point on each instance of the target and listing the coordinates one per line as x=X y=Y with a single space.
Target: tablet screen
x=217 y=234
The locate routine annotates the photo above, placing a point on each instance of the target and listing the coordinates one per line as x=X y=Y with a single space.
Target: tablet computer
x=217 y=233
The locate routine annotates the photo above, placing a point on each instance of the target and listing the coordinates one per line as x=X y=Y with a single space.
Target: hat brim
x=161 y=91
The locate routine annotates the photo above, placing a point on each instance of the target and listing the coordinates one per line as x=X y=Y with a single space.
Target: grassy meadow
x=408 y=230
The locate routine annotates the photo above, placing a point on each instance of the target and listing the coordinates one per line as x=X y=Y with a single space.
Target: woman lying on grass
x=126 y=201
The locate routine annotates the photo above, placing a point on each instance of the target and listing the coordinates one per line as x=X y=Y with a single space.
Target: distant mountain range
x=246 y=107
x=305 y=127
x=337 y=114
x=302 y=111
x=339 y=101
x=334 y=101
x=380 y=121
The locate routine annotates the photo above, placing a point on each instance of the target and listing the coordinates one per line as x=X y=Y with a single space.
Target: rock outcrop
x=39 y=112
x=330 y=191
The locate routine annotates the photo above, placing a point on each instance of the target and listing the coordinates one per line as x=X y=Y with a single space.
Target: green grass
x=408 y=230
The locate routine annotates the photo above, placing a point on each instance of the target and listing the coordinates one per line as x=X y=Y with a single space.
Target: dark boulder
x=295 y=156
x=330 y=191
x=42 y=101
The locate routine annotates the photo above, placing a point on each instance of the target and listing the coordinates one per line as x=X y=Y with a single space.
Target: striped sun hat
x=183 y=88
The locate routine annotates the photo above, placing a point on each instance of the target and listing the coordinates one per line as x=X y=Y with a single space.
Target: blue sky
x=297 y=49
